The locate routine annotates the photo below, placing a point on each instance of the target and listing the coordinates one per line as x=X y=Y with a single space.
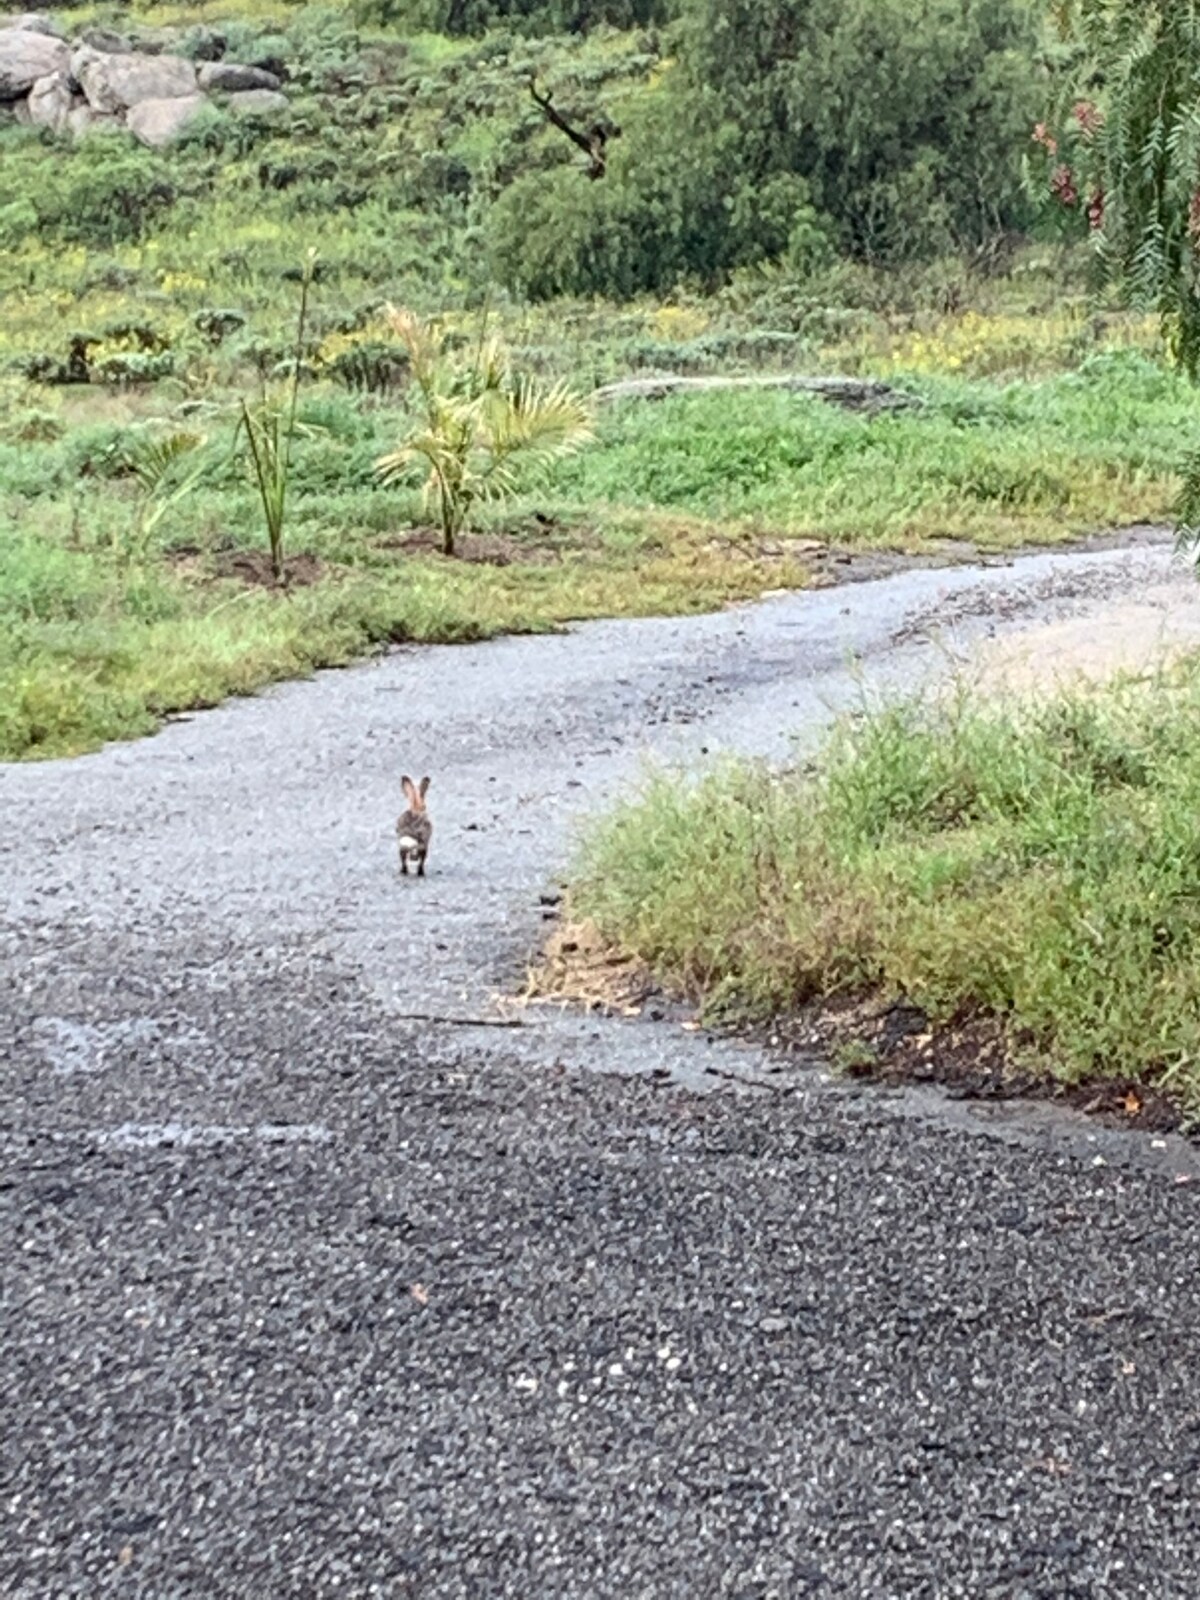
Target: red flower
x=1062 y=186
x=1088 y=116
x=1095 y=210
x=1043 y=136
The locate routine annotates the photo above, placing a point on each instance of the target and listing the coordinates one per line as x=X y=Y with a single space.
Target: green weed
x=1038 y=864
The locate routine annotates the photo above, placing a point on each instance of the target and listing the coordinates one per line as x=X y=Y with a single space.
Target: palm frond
x=554 y=420
x=476 y=418
x=151 y=461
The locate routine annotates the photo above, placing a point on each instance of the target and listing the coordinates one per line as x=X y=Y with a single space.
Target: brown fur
x=414 y=824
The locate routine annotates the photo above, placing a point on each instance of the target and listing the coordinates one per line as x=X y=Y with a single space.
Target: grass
x=680 y=506
x=92 y=650
x=1041 y=419
x=999 y=463
x=1036 y=864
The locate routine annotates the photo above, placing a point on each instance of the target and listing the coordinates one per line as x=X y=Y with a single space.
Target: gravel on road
x=304 y=1297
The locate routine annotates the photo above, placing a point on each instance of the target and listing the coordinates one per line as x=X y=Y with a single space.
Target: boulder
x=106 y=41
x=51 y=101
x=33 y=22
x=157 y=122
x=257 y=103
x=26 y=56
x=275 y=65
x=231 y=77
x=115 y=83
x=81 y=119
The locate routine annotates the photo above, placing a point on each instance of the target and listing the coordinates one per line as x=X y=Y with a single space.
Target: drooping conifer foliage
x=1128 y=150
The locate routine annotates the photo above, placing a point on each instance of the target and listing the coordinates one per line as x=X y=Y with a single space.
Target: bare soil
x=251 y=567
x=974 y=1057
x=868 y=1036
x=543 y=541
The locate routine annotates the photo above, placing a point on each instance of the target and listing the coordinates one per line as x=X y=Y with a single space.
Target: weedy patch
x=1031 y=871
x=579 y=967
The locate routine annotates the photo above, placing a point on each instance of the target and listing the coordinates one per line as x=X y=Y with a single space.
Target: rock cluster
x=101 y=81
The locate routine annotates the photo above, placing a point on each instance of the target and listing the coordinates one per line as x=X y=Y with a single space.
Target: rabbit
x=414 y=829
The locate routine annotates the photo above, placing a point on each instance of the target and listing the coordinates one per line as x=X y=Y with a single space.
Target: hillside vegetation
x=848 y=199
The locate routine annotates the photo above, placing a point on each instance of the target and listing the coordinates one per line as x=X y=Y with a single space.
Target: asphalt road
x=302 y=1294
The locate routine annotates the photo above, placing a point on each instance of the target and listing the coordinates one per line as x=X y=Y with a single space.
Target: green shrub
x=1037 y=864
x=104 y=194
x=670 y=209
x=907 y=118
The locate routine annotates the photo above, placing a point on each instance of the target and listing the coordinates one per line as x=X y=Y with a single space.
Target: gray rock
x=104 y=40
x=33 y=22
x=231 y=77
x=852 y=394
x=257 y=103
x=26 y=56
x=157 y=122
x=51 y=101
x=116 y=83
x=81 y=120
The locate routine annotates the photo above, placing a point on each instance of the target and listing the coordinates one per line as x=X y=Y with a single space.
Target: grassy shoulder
x=681 y=505
x=1028 y=872
x=94 y=650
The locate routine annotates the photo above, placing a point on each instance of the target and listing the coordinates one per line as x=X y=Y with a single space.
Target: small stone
x=257 y=103
x=159 y=122
x=51 y=102
x=81 y=119
x=34 y=22
x=232 y=77
x=105 y=40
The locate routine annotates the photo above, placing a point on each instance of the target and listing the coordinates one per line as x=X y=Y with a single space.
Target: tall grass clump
x=268 y=430
x=1038 y=864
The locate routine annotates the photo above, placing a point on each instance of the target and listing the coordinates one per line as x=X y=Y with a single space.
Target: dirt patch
x=974 y=1057
x=1132 y=637
x=580 y=968
x=544 y=542
x=254 y=567
x=251 y=567
x=1085 y=635
x=834 y=564
x=884 y=1041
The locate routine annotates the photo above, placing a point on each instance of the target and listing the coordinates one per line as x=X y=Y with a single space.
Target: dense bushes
x=752 y=131
x=528 y=16
x=669 y=209
x=890 y=130
x=109 y=195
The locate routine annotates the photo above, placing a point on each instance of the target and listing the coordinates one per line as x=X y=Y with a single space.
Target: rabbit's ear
x=410 y=793
x=424 y=787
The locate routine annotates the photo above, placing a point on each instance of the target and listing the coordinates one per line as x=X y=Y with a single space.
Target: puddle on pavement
x=190 y=1135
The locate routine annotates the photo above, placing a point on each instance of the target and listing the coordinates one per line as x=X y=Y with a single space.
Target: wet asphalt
x=315 y=1281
